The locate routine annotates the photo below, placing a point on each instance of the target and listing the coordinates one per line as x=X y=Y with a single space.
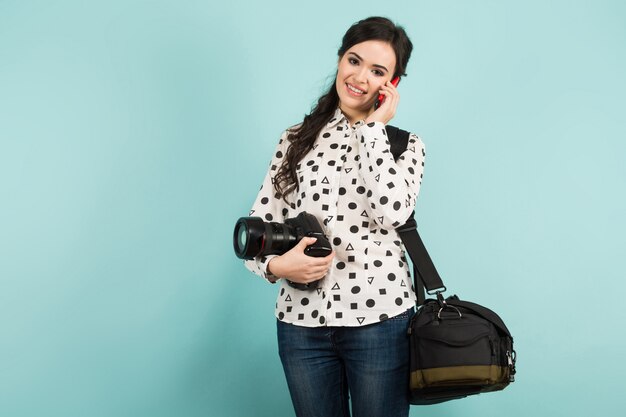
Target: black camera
x=253 y=237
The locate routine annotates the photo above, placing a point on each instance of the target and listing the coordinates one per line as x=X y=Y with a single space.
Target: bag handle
x=483 y=312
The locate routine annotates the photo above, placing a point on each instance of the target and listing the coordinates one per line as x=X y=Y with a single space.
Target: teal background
x=133 y=134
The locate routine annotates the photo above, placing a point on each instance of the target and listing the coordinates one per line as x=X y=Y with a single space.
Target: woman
x=347 y=337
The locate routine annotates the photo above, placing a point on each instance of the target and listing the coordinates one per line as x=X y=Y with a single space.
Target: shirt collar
x=338 y=117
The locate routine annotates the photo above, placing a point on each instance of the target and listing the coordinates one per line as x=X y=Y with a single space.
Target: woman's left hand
x=387 y=110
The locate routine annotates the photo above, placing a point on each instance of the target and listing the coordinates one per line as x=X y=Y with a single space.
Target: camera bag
x=458 y=348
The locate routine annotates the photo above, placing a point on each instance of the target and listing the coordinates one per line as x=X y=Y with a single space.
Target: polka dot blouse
x=350 y=182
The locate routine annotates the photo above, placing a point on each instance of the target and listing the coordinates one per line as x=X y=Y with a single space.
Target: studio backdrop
x=133 y=134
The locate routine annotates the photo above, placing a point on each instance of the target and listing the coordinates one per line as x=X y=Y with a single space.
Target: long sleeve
x=269 y=207
x=391 y=186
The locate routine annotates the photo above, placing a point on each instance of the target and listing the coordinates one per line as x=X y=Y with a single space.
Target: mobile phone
x=381 y=97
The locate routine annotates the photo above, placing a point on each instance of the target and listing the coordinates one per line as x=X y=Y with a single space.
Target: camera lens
x=242 y=237
x=249 y=237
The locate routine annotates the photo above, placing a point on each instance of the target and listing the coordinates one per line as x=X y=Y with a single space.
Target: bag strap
x=424 y=272
x=398 y=140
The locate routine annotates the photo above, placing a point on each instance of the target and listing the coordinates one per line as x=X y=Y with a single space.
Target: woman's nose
x=361 y=76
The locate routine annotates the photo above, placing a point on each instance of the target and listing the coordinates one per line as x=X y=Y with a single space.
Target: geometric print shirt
x=350 y=182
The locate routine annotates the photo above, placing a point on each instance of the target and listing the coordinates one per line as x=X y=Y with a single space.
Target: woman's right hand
x=296 y=266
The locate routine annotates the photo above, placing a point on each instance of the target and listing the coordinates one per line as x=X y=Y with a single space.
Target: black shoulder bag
x=458 y=348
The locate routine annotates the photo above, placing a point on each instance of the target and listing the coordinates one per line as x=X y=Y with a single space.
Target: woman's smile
x=354 y=91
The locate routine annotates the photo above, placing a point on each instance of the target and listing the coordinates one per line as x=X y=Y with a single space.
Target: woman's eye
x=378 y=73
x=353 y=61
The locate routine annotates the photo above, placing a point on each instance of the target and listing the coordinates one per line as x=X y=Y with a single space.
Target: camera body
x=254 y=237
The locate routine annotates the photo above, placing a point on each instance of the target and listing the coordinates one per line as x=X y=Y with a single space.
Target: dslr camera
x=254 y=237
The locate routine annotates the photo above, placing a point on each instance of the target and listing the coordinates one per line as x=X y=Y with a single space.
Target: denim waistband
x=404 y=315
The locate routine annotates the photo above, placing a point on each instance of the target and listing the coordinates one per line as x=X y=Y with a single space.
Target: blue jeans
x=324 y=364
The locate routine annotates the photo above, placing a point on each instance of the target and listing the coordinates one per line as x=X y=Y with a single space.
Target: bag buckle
x=443 y=305
x=440 y=299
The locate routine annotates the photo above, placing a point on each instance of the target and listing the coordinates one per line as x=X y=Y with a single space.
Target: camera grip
x=320 y=248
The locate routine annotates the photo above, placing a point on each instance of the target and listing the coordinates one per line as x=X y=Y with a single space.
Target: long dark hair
x=303 y=136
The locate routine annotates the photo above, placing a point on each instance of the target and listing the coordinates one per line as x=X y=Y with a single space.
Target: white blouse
x=350 y=182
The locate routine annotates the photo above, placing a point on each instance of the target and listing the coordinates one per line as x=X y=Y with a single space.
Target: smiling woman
x=348 y=335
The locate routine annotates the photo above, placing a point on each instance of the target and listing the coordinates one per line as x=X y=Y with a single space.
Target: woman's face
x=361 y=71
